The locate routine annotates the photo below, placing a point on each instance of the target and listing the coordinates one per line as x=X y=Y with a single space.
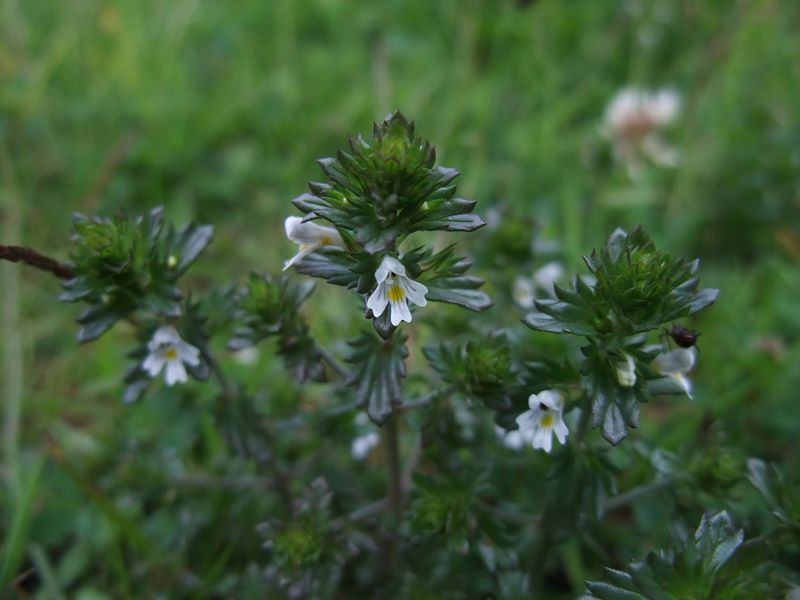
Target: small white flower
x=523 y=292
x=543 y=420
x=625 y=370
x=310 y=237
x=247 y=356
x=633 y=122
x=516 y=439
x=363 y=445
x=542 y=284
x=676 y=364
x=168 y=349
x=395 y=289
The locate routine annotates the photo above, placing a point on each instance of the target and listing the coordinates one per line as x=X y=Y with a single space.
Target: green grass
x=218 y=110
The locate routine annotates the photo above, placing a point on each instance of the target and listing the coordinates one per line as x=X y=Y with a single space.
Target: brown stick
x=31 y=257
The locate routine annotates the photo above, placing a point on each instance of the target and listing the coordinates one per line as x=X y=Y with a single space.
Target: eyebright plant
x=416 y=456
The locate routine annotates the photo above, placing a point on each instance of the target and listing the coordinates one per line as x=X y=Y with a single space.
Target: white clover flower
x=543 y=419
x=395 y=289
x=625 y=370
x=310 y=237
x=168 y=349
x=542 y=284
x=633 y=122
x=676 y=364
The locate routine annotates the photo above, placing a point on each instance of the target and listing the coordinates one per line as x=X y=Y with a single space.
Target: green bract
x=269 y=307
x=386 y=188
x=703 y=566
x=633 y=288
x=125 y=264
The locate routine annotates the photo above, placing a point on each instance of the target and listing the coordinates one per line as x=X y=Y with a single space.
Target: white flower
x=543 y=419
x=516 y=439
x=395 y=289
x=363 y=445
x=676 y=364
x=168 y=349
x=526 y=290
x=310 y=237
x=625 y=370
x=633 y=122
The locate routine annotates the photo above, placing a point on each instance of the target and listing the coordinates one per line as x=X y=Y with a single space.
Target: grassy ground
x=218 y=111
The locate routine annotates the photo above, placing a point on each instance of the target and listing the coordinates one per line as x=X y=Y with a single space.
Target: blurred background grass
x=218 y=111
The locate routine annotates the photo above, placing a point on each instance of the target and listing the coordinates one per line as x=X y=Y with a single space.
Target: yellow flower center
x=171 y=353
x=547 y=420
x=396 y=292
x=326 y=240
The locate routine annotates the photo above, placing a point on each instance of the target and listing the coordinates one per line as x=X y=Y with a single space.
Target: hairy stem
x=31 y=257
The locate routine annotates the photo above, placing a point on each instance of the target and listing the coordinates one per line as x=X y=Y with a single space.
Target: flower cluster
x=634 y=122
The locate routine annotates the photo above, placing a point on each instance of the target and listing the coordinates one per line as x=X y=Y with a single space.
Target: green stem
x=230 y=394
x=329 y=358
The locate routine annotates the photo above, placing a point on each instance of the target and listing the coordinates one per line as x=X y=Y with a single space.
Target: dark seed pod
x=683 y=336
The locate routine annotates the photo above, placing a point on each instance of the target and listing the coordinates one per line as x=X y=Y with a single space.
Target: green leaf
x=378 y=367
x=444 y=275
x=191 y=242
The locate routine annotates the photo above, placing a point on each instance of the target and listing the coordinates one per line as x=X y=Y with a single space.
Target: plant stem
x=329 y=358
x=634 y=494
x=31 y=257
x=428 y=399
x=230 y=394
x=393 y=464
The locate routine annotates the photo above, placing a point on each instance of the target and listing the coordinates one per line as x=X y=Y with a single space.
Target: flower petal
x=378 y=301
x=561 y=431
x=550 y=398
x=154 y=363
x=175 y=373
x=305 y=250
x=543 y=439
x=414 y=290
x=400 y=312
x=188 y=353
x=680 y=360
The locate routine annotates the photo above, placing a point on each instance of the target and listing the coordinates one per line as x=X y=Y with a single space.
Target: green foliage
x=378 y=367
x=387 y=188
x=636 y=288
x=270 y=307
x=481 y=370
x=692 y=569
x=126 y=264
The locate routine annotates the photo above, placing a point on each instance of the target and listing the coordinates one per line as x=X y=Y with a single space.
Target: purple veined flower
x=676 y=364
x=310 y=237
x=168 y=352
x=543 y=420
x=395 y=290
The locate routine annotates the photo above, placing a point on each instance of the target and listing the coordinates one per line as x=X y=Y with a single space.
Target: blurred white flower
x=395 y=289
x=542 y=284
x=367 y=439
x=544 y=418
x=247 y=356
x=625 y=370
x=310 y=237
x=676 y=364
x=633 y=122
x=167 y=349
x=363 y=445
x=515 y=439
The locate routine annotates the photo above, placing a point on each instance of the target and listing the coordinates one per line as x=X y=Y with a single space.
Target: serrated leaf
x=378 y=368
x=606 y=591
x=193 y=240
